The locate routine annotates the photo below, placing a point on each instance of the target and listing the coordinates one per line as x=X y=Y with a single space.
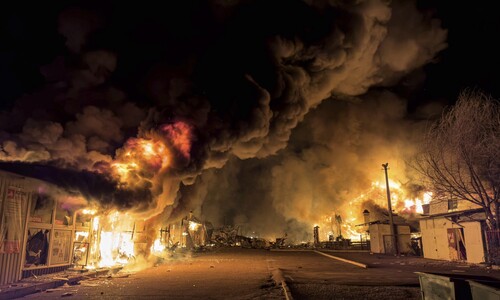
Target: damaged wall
x=41 y=240
x=436 y=239
x=11 y=257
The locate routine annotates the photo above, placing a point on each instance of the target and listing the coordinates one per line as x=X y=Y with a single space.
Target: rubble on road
x=57 y=281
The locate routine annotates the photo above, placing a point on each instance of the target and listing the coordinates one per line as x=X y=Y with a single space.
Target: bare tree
x=460 y=155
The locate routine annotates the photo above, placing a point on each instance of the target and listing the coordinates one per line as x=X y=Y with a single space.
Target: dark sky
x=471 y=59
x=29 y=40
x=252 y=84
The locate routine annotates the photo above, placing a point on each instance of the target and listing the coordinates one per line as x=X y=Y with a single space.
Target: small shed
x=379 y=232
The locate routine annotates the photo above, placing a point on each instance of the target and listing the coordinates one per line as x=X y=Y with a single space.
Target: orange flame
x=151 y=154
x=141 y=159
x=351 y=212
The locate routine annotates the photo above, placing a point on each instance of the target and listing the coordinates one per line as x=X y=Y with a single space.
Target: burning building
x=366 y=216
x=189 y=232
x=280 y=137
x=380 y=234
x=40 y=228
x=45 y=229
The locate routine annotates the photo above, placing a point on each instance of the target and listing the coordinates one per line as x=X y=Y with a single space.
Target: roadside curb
x=290 y=250
x=343 y=259
x=21 y=291
x=279 y=279
x=344 y=251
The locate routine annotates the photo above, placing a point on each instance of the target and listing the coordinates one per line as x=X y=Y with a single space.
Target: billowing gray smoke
x=333 y=158
x=243 y=75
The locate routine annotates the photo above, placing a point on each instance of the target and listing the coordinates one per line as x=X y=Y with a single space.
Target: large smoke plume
x=219 y=88
x=333 y=157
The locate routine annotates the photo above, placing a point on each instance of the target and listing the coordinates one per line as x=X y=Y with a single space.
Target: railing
x=347 y=245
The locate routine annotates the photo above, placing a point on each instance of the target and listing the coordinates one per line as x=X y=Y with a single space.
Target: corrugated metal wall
x=9 y=268
x=10 y=264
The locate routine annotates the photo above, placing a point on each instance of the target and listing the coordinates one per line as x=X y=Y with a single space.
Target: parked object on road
x=456 y=287
x=484 y=290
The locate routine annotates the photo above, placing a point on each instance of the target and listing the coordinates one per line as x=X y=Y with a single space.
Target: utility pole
x=394 y=239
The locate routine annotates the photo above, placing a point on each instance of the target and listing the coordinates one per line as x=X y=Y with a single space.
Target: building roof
x=454 y=213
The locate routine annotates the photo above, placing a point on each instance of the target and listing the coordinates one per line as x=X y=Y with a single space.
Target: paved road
x=236 y=273
x=226 y=274
x=387 y=277
x=311 y=267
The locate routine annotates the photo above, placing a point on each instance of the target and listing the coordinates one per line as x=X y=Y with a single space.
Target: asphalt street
x=235 y=273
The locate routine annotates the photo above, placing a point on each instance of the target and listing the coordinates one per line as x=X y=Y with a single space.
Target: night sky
x=284 y=100
x=30 y=40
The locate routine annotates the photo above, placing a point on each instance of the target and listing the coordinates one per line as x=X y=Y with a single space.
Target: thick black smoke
x=90 y=185
x=243 y=74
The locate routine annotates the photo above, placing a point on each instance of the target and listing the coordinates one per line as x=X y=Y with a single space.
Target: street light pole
x=389 y=204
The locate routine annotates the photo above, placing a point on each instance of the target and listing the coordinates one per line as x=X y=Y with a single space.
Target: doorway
x=456 y=244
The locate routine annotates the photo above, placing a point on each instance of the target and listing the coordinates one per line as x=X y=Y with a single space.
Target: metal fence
x=347 y=245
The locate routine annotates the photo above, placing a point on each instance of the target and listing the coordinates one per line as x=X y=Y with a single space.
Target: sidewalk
x=376 y=263
x=40 y=283
x=387 y=261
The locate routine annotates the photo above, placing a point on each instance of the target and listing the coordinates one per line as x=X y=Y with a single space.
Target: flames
x=115 y=237
x=88 y=211
x=343 y=223
x=112 y=240
x=116 y=248
x=158 y=247
x=116 y=240
x=193 y=226
x=144 y=157
x=401 y=201
x=140 y=154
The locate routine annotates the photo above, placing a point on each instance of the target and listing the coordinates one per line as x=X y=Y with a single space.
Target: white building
x=454 y=230
x=381 y=239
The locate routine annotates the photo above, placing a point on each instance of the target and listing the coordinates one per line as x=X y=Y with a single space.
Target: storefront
x=42 y=230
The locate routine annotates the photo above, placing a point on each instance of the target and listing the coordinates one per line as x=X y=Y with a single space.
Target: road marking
x=343 y=259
